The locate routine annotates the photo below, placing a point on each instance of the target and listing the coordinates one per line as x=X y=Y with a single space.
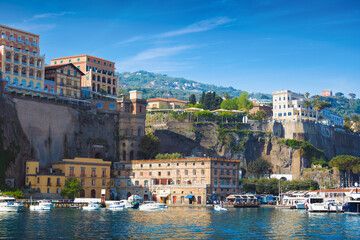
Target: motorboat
x=353 y=206
x=9 y=204
x=91 y=207
x=117 y=205
x=301 y=204
x=44 y=205
x=219 y=208
x=293 y=200
x=152 y=205
x=317 y=204
x=125 y=203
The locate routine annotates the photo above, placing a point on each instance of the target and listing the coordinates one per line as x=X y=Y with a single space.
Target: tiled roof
x=49 y=67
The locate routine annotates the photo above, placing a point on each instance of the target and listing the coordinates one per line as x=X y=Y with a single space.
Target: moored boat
x=44 y=205
x=317 y=204
x=91 y=207
x=353 y=206
x=9 y=204
x=151 y=205
x=219 y=208
x=116 y=205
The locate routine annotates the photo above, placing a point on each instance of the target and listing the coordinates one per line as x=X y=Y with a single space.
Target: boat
x=44 y=205
x=9 y=204
x=152 y=205
x=353 y=206
x=301 y=204
x=117 y=205
x=293 y=200
x=219 y=208
x=246 y=201
x=91 y=207
x=317 y=204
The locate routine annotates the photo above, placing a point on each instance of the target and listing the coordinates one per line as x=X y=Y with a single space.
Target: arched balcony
x=98 y=88
x=39 y=63
x=23 y=82
x=15 y=81
x=114 y=82
x=23 y=71
x=32 y=62
x=31 y=84
x=38 y=75
x=98 y=78
x=16 y=70
x=109 y=81
x=8 y=56
x=114 y=91
x=7 y=68
x=38 y=85
x=16 y=58
x=23 y=60
x=93 y=87
x=103 y=80
x=93 y=77
x=31 y=73
x=109 y=90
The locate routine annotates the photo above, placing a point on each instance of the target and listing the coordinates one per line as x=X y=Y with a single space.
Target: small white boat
x=125 y=203
x=91 y=207
x=43 y=205
x=219 y=208
x=152 y=205
x=114 y=206
x=317 y=204
x=9 y=204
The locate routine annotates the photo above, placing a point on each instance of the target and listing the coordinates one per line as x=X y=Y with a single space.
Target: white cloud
x=130 y=40
x=159 y=52
x=48 y=15
x=201 y=26
x=32 y=27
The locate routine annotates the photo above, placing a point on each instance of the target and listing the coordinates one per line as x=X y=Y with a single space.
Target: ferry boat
x=9 y=204
x=91 y=207
x=317 y=204
x=152 y=205
x=44 y=205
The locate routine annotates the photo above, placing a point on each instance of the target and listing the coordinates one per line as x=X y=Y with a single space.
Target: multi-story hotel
x=99 y=74
x=93 y=173
x=166 y=104
x=176 y=181
x=67 y=79
x=21 y=63
x=288 y=106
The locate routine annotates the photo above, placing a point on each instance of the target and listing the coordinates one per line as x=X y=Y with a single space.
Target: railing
x=82 y=175
x=31 y=76
x=38 y=78
x=24 y=63
x=34 y=44
x=8 y=72
x=48 y=184
x=20 y=41
x=23 y=75
x=12 y=39
x=5 y=37
x=15 y=73
x=39 y=66
x=8 y=60
x=58 y=185
x=31 y=65
x=93 y=175
x=16 y=50
x=16 y=61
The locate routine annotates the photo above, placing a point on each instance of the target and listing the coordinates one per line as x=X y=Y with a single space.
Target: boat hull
x=10 y=208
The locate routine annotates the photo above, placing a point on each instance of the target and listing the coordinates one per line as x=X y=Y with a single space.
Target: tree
x=306 y=105
x=149 y=146
x=230 y=104
x=260 y=167
x=72 y=188
x=347 y=163
x=227 y=96
x=244 y=103
x=261 y=114
x=339 y=94
x=352 y=96
x=192 y=99
x=202 y=98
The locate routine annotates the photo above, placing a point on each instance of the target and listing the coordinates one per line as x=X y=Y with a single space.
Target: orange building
x=98 y=73
x=326 y=93
x=163 y=103
x=67 y=79
x=21 y=62
x=257 y=107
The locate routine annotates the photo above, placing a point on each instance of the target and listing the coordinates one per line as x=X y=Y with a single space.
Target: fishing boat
x=44 y=205
x=219 y=208
x=9 y=204
x=91 y=207
x=151 y=205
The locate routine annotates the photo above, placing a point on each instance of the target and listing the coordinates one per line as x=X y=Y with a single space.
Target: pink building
x=326 y=93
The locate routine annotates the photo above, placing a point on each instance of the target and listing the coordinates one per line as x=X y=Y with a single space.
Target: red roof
x=49 y=67
x=333 y=190
x=166 y=100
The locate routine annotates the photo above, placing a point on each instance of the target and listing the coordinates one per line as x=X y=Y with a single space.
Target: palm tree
x=317 y=106
x=306 y=105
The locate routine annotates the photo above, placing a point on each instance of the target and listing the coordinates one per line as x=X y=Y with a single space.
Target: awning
x=189 y=196
x=164 y=195
x=231 y=197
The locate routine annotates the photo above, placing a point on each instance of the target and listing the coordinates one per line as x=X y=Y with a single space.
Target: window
x=280 y=114
x=83 y=182
x=177 y=172
x=193 y=164
x=279 y=106
x=185 y=164
x=137 y=183
x=98 y=62
x=104 y=63
x=103 y=182
x=150 y=166
x=94 y=61
x=222 y=171
x=169 y=173
x=78 y=59
x=234 y=183
x=186 y=172
x=159 y=174
x=150 y=173
x=69 y=60
x=75 y=73
x=284 y=106
x=72 y=173
x=215 y=166
x=58 y=190
x=55 y=62
x=202 y=172
x=194 y=172
x=215 y=182
x=128 y=181
x=48 y=190
x=38 y=180
x=284 y=114
x=146 y=183
x=234 y=172
x=61 y=61
x=68 y=72
x=159 y=164
x=93 y=172
x=222 y=182
x=82 y=172
x=92 y=182
x=141 y=173
x=88 y=59
x=110 y=64
x=228 y=182
x=104 y=172
x=222 y=165
x=289 y=114
x=228 y=172
x=215 y=172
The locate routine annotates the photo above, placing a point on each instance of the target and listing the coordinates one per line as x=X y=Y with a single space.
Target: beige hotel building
x=98 y=73
x=21 y=63
x=176 y=181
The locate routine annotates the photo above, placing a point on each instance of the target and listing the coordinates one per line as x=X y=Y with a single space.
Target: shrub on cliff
x=168 y=156
x=149 y=146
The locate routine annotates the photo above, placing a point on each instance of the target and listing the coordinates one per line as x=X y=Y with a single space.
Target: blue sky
x=257 y=46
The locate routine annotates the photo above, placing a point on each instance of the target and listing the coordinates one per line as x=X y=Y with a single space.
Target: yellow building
x=94 y=175
x=166 y=104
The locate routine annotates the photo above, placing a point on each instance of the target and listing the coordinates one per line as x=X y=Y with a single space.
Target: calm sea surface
x=179 y=223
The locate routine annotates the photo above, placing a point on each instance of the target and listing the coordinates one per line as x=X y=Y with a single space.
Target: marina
x=178 y=222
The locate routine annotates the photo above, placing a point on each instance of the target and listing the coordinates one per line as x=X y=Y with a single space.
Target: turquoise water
x=179 y=223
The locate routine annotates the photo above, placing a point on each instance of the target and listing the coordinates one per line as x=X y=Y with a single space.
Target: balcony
x=24 y=63
x=31 y=65
x=82 y=175
x=15 y=73
x=93 y=175
x=35 y=45
x=8 y=72
x=48 y=184
x=16 y=50
x=31 y=77
x=8 y=60
x=20 y=41
x=12 y=39
x=39 y=66
x=58 y=185
x=16 y=61
x=38 y=78
x=27 y=43
x=4 y=37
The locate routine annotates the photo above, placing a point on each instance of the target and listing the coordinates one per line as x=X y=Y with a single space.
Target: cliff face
x=50 y=132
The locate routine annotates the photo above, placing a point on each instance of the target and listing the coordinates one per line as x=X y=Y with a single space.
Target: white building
x=288 y=107
x=331 y=118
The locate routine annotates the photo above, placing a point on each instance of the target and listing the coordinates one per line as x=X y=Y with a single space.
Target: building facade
x=176 y=181
x=331 y=118
x=326 y=93
x=67 y=79
x=258 y=106
x=93 y=173
x=288 y=107
x=168 y=104
x=21 y=62
x=99 y=74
